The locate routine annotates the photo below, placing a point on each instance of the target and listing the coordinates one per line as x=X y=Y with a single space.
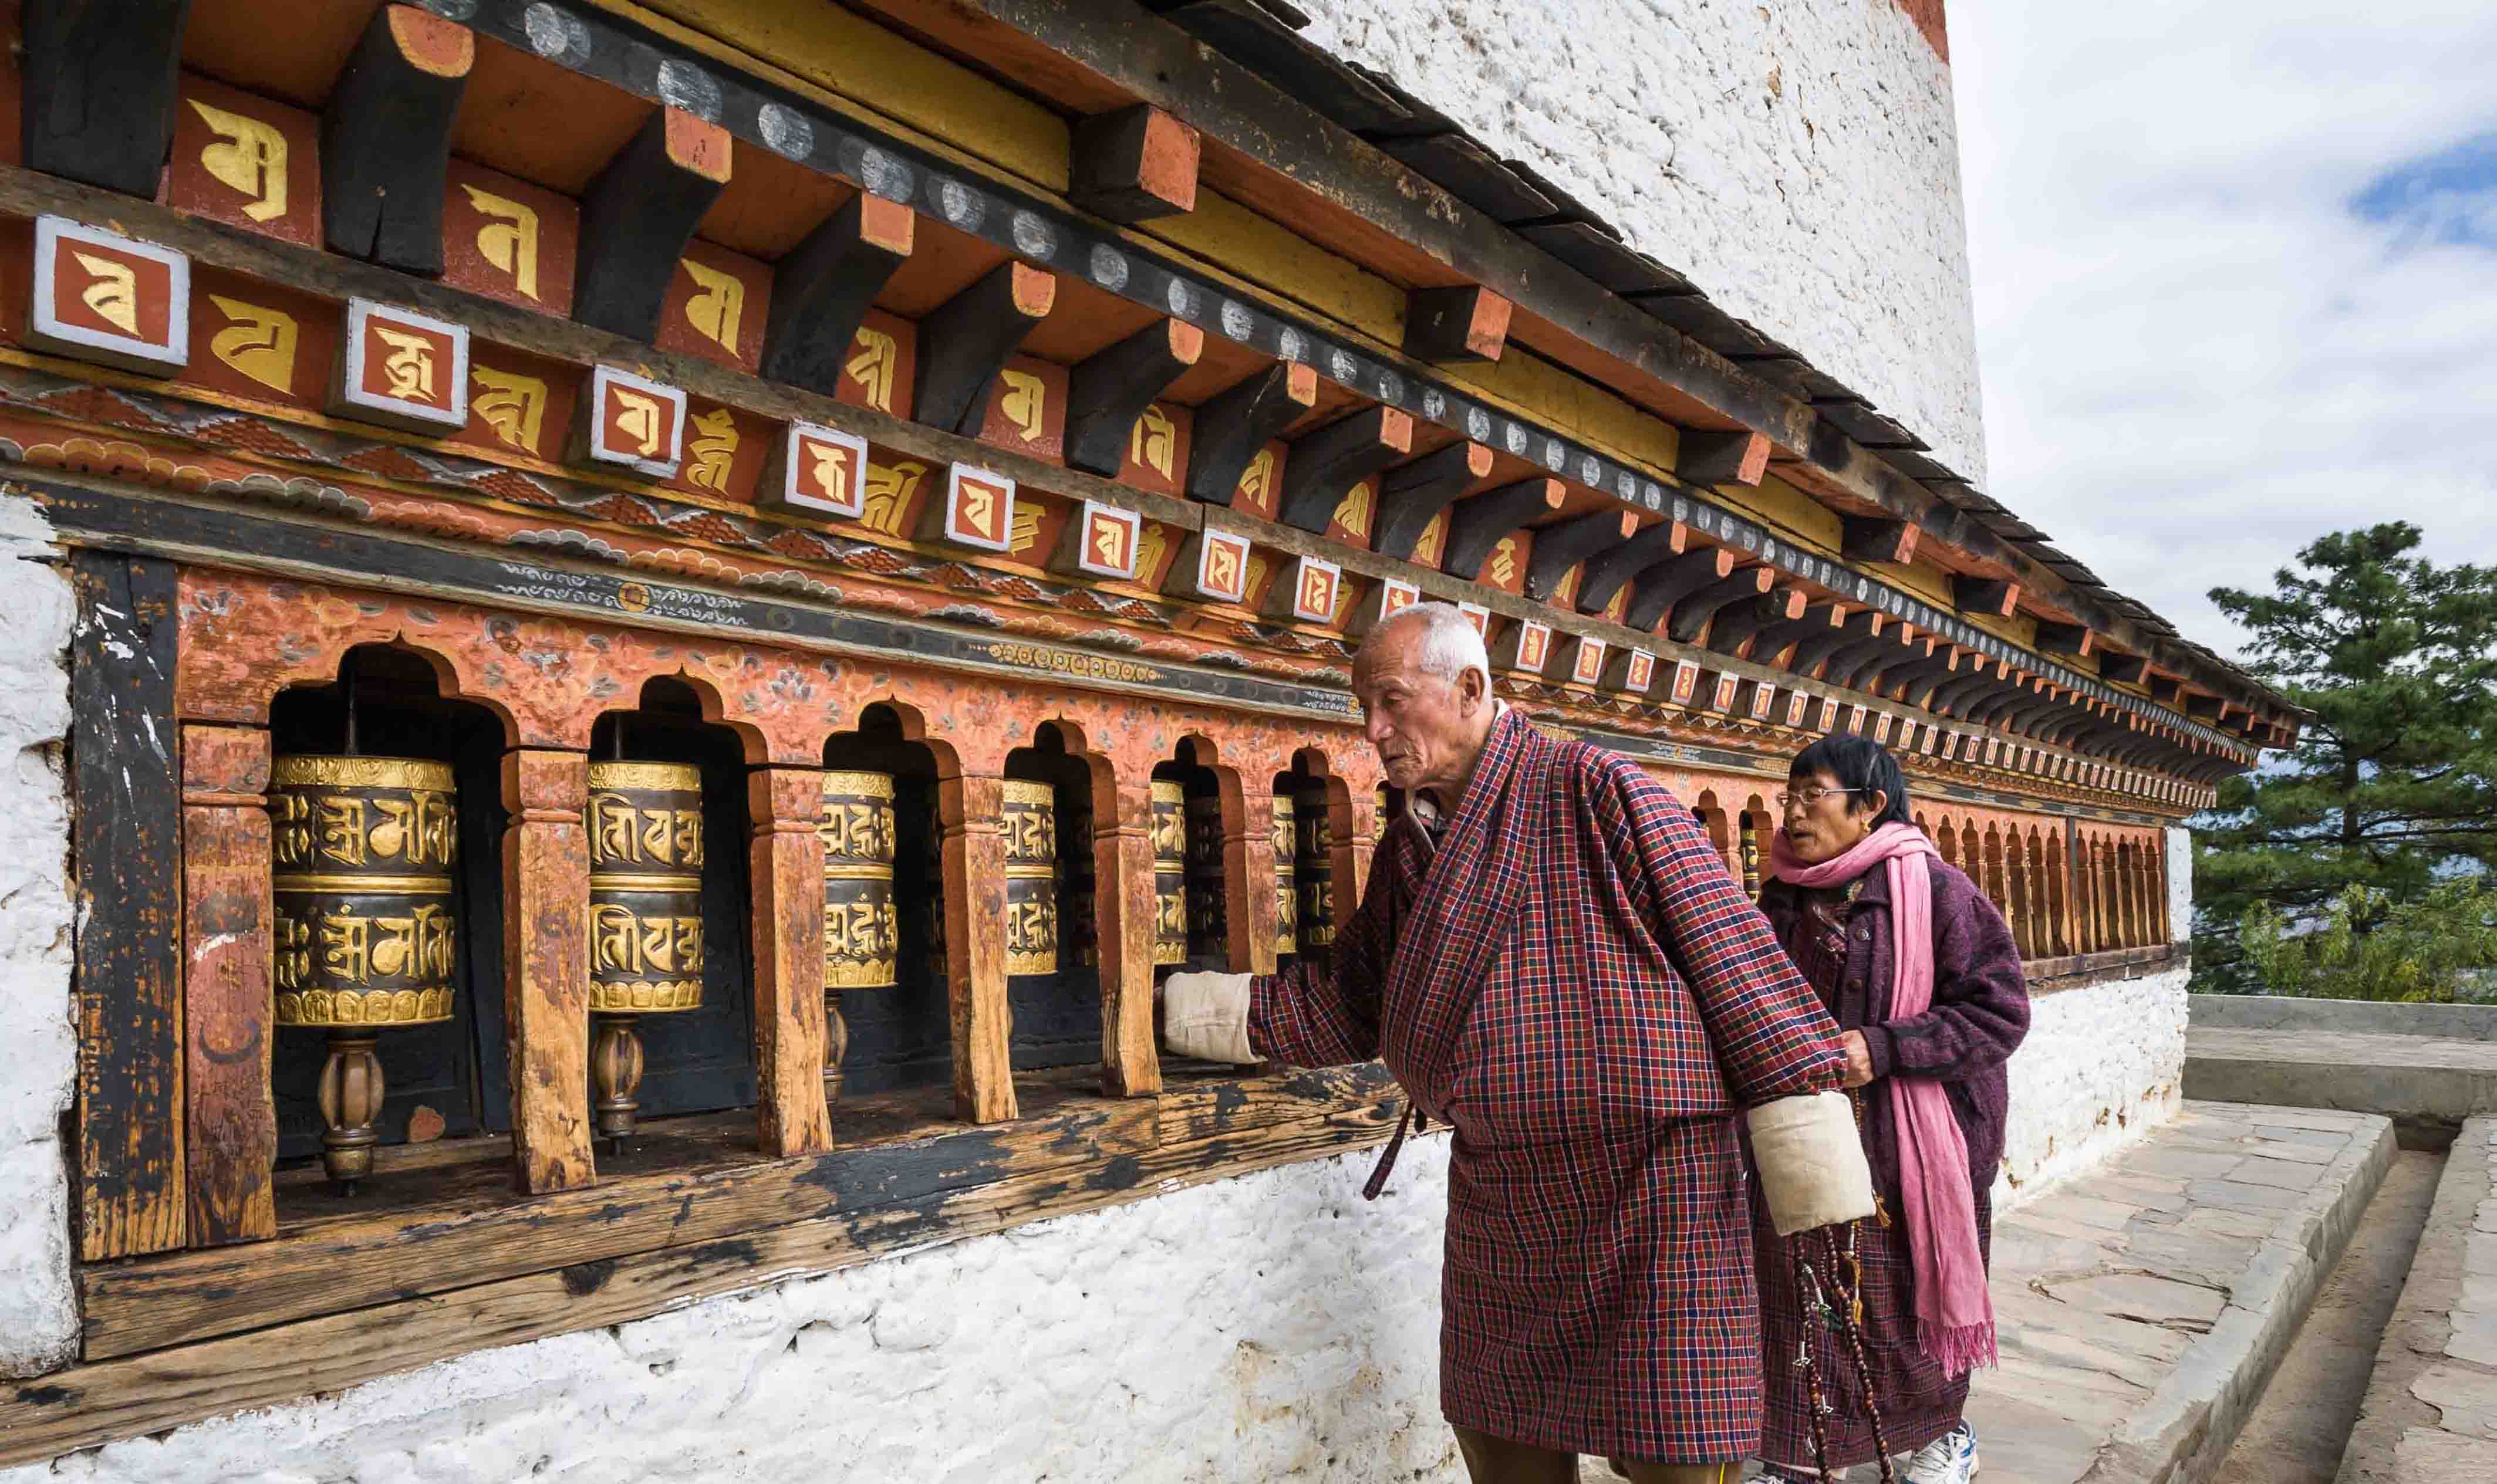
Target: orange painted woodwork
x=882 y=372
x=106 y=298
x=1157 y=450
x=230 y=1149
x=726 y=449
x=1026 y=409
x=402 y=369
x=519 y=403
x=545 y=967
x=245 y=160
x=1260 y=491
x=1356 y=515
x=973 y=808
x=260 y=342
x=508 y=239
x=786 y=866
x=634 y=425
x=716 y=308
x=1506 y=567
x=1123 y=866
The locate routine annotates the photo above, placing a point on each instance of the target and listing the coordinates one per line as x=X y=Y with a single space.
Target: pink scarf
x=1955 y=1313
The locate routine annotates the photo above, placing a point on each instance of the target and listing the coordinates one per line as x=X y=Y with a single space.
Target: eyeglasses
x=1812 y=796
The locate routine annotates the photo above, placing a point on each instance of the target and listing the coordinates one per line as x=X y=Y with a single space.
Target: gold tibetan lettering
x=872 y=366
x=259 y=342
x=1024 y=402
x=249 y=156
x=510 y=240
x=513 y=405
x=713 y=449
x=1153 y=442
x=889 y=489
x=409 y=365
x=718 y=303
x=113 y=294
x=639 y=417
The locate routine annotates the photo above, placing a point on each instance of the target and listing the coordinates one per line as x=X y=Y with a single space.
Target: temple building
x=632 y=628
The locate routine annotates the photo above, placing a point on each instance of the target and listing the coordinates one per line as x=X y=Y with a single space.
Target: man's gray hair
x=1449 y=645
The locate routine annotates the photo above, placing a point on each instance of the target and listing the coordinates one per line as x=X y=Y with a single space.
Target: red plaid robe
x=1573 y=981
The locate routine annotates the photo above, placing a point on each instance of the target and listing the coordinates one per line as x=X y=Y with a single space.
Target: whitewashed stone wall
x=1799 y=162
x=38 y=1056
x=1267 y=1328
x=2102 y=1065
x=2180 y=883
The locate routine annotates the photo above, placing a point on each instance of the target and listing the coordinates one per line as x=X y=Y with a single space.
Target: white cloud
x=2196 y=356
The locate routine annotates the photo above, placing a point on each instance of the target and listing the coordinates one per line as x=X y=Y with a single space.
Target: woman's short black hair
x=1861 y=766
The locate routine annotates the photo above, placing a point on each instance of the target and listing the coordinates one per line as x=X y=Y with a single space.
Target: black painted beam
x=821 y=290
x=1233 y=426
x=1815 y=618
x=1478 y=523
x=1564 y=544
x=1690 y=616
x=968 y=339
x=1108 y=391
x=99 y=80
x=636 y=217
x=385 y=141
x=1984 y=595
x=1466 y=323
x=1873 y=539
x=1608 y=569
x=1412 y=495
x=1326 y=463
x=1862 y=623
x=2074 y=639
x=1708 y=457
x=1667 y=582
x=1738 y=621
x=2121 y=668
x=1132 y=165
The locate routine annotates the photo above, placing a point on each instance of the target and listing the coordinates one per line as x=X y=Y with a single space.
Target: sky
x=2236 y=278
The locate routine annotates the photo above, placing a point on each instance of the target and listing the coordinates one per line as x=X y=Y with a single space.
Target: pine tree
x=2392 y=786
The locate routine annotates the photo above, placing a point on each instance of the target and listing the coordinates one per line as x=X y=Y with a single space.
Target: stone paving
x=2141 y=1308
x=2427 y=1083
x=2431 y=1410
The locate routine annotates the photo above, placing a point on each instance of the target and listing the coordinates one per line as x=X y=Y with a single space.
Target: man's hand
x=1859 y=1059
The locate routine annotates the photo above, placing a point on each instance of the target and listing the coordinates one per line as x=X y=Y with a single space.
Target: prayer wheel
x=645 y=923
x=363 y=922
x=1287 y=883
x=1078 y=924
x=1750 y=854
x=1170 y=873
x=1315 y=867
x=862 y=931
x=1031 y=878
x=1208 y=936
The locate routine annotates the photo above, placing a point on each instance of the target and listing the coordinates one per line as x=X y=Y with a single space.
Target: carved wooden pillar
x=1123 y=897
x=1249 y=876
x=231 y=1135
x=1355 y=844
x=2016 y=904
x=546 y=967
x=973 y=806
x=786 y=866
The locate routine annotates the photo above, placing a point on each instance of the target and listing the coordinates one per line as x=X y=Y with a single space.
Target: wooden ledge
x=441 y=1257
x=2074 y=971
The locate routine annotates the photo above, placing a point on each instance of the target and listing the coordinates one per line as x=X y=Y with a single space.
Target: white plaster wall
x=1799 y=162
x=38 y=1056
x=2103 y=1065
x=2180 y=883
x=1266 y=1328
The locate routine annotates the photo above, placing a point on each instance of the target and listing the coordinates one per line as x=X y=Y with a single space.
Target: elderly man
x=1554 y=962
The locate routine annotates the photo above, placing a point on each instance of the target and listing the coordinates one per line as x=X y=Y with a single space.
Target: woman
x=1922 y=975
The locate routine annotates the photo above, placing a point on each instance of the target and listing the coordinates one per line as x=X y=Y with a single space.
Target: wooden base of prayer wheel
x=645 y=923
x=350 y=1098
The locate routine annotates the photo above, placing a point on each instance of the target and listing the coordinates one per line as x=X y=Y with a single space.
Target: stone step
x=2426 y=1084
x=2430 y=1416
x=2141 y=1309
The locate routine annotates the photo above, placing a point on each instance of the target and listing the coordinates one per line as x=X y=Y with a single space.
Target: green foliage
x=2369 y=946
x=2393 y=784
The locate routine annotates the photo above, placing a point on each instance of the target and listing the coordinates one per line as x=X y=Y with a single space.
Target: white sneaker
x=1951 y=1459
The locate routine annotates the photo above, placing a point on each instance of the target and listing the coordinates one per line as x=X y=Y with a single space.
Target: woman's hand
x=1859 y=1059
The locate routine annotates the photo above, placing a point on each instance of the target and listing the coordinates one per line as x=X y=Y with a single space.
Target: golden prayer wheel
x=1751 y=856
x=1079 y=925
x=1208 y=931
x=1170 y=873
x=646 y=922
x=1031 y=878
x=862 y=931
x=1284 y=843
x=363 y=925
x=1314 y=864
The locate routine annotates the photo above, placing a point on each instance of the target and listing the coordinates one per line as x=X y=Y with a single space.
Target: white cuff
x=1812 y=1170
x=1207 y=1015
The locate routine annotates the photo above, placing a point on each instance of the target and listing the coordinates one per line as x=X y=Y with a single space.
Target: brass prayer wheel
x=646 y=862
x=1208 y=932
x=363 y=924
x=1170 y=873
x=1314 y=862
x=646 y=926
x=1031 y=878
x=1284 y=841
x=862 y=927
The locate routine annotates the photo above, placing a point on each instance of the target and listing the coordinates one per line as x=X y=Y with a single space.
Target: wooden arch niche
x=437 y=1077
x=2020 y=904
x=1313 y=858
x=676 y=1059
x=1712 y=819
x=883 y=1037
x=1214 y=813
x=1054 y=970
